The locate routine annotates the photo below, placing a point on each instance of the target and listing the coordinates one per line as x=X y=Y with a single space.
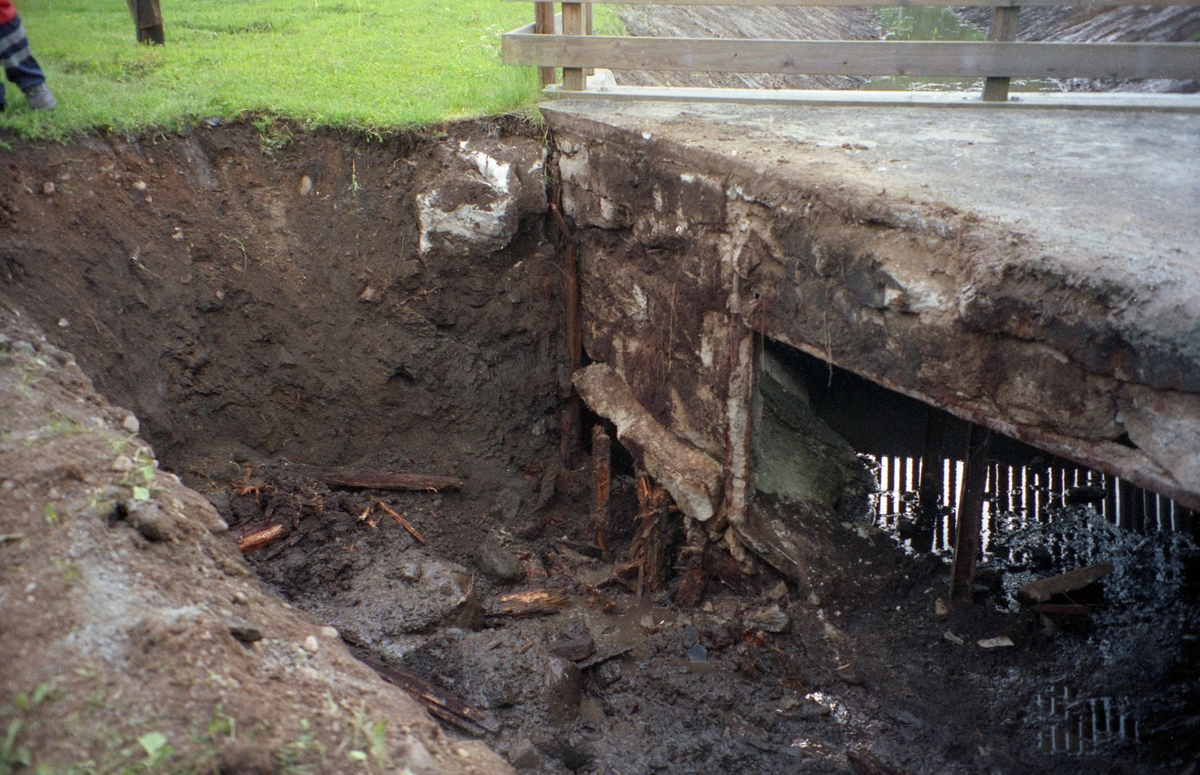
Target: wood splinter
x=539 y=602
x=260 y=538
x=403 y=522
x=387 y=480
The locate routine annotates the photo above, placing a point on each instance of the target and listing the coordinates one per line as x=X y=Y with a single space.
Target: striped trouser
x=16 y=58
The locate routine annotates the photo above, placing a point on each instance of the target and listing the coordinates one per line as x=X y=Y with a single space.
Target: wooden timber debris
x=602 y=480
x=695 y=480
x=403 y=522
x=539 y=602
x=260 y=538
x=1042 y=590
x=439 y=702
x=650 y=541
x=387 y=480
x=968 y=541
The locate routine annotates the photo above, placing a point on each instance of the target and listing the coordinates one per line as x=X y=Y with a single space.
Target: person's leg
x=20 y=66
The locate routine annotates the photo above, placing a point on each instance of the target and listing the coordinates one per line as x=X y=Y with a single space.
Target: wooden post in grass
x=1004 y=28
x=147 y=19
x=543 y=24
x=573 y=77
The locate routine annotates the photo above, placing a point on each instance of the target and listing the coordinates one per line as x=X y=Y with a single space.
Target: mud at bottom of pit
x=755 y=676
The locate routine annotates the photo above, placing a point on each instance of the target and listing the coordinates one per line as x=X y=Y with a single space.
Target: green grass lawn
x=350 y=63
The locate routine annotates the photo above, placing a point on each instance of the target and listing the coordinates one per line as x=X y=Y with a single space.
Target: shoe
x=41 y=98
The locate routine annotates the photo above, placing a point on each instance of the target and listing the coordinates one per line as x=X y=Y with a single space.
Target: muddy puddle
x=316 y=314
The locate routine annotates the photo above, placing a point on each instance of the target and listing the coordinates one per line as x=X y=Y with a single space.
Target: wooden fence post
x=147 y=19
x=1004 y=28
x=543 y=24
x=573 y=77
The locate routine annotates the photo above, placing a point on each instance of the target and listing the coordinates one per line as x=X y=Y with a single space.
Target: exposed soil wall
x=235 y=285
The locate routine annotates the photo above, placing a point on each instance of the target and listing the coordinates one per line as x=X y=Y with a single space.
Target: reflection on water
x=1017 y=497
x=930 y=23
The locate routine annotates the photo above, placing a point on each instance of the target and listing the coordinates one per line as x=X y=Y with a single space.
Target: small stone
x=131 y=424
x=769 y=618
x=23 y=348
x=576 y=649
x=64 y=323
x=122 y=464
x=306 y=185
x=697 y=653
x=524 y=756
x=608 y=673
x=814 y=599
x=998 y=642
x=151 y=521
x=329 y=632
x=940 y=608
x=139 y=185
x=177 y=235
x=950 y=636
x=245 y=633
x=591 y=713
x=508 y=503
x=499 y=563
x=564 y=690
x=778 y=592
x=240 y=598
x=310 y=644
x=48 y=188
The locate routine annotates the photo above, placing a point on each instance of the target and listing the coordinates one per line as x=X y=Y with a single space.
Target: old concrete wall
x=689 y=233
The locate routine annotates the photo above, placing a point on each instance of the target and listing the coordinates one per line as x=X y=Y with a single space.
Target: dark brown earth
x=261 y=327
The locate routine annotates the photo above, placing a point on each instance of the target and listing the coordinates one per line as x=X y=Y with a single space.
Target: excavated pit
x=272 y=304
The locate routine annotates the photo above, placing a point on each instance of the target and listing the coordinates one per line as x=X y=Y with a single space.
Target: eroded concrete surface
x=1037 y=271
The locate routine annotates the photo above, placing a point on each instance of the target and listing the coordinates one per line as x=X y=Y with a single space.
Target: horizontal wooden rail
x=902 y=3
x=820 y=57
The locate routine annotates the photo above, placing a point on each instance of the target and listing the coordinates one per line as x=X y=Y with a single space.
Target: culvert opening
x=254 y=357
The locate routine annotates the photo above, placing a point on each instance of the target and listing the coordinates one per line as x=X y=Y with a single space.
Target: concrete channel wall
x=1060 y=307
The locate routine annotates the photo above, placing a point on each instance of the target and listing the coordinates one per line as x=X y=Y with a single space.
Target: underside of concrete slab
x=1035 y=271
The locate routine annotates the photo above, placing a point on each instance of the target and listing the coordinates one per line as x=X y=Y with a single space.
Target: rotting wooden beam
x=602 y=482
x=439 y=702
x=980 y=59
x=930 y=487
x=967 y=541
x=570 y=418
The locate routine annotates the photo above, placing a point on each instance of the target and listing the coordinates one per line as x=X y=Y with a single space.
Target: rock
x=576 y=649
x=591 y=714
x=476 y=203
x=499 y=563
x=607 y=673
x=245 y=633
x=151 y=521
x=48 y=188
x=524 y=756
x=139 y=185
x=508 y=503
x=697 y=653
x=131 y=424
x=329 y=632
x=306 y=185
x=769 y=618
x=122 y=464
x=573 y=752
x=563 y=690
x=778 y=592
x=311 y=645
x=995 y=643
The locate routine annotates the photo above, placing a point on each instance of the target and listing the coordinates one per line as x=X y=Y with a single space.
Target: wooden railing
x=997 y=59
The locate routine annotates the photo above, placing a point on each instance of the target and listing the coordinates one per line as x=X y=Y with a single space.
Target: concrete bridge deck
x=1035 y=270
